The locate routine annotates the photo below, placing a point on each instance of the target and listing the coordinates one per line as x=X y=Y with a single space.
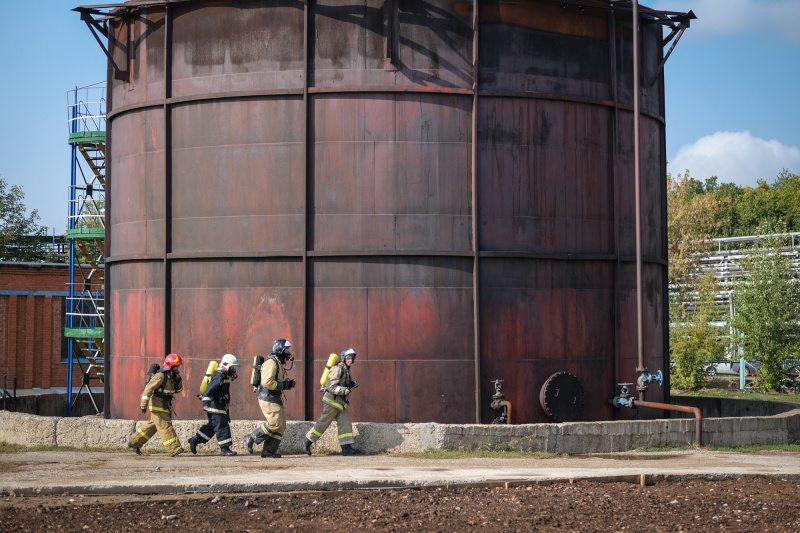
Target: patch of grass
x=736 y=394
x=7 y=468
x=95 y=464
x=765 y=447
x=685 y=447
x=17 y=448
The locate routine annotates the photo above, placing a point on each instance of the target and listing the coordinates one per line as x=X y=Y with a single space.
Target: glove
x=289 y=384
x=354 y=385
x=347 y=392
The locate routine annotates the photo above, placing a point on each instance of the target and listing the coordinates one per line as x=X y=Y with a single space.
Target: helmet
x=229 y=360
x=172 y=360
x=348 y=352
x=281 y=349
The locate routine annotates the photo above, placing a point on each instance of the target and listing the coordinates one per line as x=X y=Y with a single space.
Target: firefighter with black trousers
x=273 y=383
x=334 y=405
x=158 y=394
x=216 y=400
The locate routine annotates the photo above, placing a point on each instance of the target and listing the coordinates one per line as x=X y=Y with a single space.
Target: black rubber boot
x=347 y=449
x=133 y=447
x=226 y=450
x=256 y=437
x=248 y=443
x=193 y=445
x=271 y=448
x=307 y=446
x=176 y=454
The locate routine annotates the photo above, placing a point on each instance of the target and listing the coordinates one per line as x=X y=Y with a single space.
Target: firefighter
x=273 y=383
x=158 y=393
x=334 y=405
x=216 y=400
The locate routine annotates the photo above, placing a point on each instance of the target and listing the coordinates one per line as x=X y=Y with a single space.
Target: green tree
x=17 y=227
x=696 y=334
x=787 y=196
x=767 y=306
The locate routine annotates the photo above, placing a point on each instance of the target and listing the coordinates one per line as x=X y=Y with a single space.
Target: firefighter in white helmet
x=216 y=402
x=334 y=405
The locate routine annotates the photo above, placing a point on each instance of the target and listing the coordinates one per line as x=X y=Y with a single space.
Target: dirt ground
x=745 y=504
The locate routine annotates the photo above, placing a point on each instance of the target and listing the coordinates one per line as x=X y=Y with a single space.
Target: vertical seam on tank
x=475 y=244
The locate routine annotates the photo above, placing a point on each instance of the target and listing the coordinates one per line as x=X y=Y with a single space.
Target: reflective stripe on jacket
x=339 y=380
x=217 y=395
x=273 y=375
x=160 y=399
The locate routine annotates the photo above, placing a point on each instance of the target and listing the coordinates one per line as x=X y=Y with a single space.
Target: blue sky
x=732 y=93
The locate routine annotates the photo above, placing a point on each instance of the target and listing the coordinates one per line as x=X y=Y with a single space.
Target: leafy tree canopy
x=16 y=227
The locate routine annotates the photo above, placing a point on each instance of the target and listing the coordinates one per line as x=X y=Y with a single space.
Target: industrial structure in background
x=455 y=189
x=84 y=317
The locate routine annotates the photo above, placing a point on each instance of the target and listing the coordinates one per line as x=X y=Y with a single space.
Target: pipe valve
x=624 y=399
x=499 y=403
x=646 y=377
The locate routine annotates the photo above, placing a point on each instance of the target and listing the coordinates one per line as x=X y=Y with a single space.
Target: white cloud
x=773 y=18
x=736 y=157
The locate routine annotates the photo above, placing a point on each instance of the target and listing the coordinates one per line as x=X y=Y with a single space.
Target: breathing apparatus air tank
x=332 y=360
x=212 y=367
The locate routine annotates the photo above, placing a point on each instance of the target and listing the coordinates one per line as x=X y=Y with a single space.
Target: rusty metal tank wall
x=328 y=173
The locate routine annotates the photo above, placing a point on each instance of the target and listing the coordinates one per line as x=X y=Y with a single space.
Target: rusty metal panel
x=237 y=183
x=653 y=190
x=435 y=390
x=395 y=310
x=137 y=157
x=523 y=380
x=544 y=176
x=238 y=307
x=655 y=325
x=349 y=44
x=391 y=172
x=137 y=325
x=549 y=316
x=537 y=47
x=140 y=58
x=237 y=46
x=374 y=397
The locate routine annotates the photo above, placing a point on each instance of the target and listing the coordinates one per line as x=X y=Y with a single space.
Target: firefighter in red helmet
x=158 y=394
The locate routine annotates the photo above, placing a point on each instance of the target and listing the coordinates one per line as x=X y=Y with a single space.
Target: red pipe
x=698 y=416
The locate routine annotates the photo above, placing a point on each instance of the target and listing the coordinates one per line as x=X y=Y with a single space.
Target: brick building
x=32 y=344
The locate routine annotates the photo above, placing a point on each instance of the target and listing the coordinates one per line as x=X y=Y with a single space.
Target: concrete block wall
x=566 y=438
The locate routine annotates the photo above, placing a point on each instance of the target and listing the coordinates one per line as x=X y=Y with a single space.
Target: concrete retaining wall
x=566 y=438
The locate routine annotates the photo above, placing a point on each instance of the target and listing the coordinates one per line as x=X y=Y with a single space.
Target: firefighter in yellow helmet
x=273 y=383
x=334 y=405
x=158 y=393
x=216 y=399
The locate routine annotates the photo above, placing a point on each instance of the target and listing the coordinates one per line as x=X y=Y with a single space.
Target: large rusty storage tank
x=334 y=173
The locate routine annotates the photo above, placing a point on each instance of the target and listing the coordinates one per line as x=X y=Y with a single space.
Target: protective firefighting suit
x=158 y=394
x=273 y=383
x=334 y=407
x=216 y=401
